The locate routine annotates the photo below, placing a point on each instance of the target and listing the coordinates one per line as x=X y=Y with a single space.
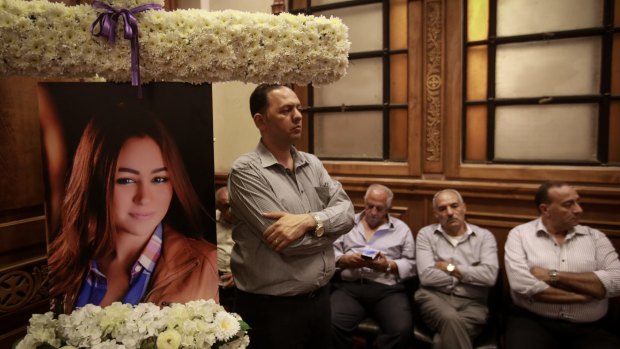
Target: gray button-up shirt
x=475 y=255
x=257 y=184
x=584 y=250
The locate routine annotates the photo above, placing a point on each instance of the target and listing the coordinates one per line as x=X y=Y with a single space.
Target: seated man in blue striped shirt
x=561 y=275
x=457 y=264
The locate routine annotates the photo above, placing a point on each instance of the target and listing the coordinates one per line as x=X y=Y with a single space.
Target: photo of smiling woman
x=129 y=223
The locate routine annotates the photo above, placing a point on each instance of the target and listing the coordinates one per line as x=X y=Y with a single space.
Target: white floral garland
x=196 y=324
x=46 y=39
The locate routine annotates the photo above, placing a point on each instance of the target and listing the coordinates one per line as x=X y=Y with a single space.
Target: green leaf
x=244 y=325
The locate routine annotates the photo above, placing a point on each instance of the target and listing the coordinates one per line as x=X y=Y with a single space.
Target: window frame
x=603 y=99
x=383 y=166
x=455 y=167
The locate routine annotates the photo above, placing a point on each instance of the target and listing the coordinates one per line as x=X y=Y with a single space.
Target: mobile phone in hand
x=369 y=253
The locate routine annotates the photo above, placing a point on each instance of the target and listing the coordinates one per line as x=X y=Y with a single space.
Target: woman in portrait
x=130 y=221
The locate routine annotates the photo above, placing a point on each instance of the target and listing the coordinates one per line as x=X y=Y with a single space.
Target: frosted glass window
x=565 y=132
x=348 y=135
x=515 y=17
x=363 y=84
x=365 y=26
x=548 y=68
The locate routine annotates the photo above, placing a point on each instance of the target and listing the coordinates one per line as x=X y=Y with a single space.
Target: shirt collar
x=388 y=225
x=576 y=230
x=151 y=252
x=267 y=159
x=468 y=231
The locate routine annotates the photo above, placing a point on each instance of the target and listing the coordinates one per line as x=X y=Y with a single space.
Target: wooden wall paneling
x=21 y=183
x=23 y=266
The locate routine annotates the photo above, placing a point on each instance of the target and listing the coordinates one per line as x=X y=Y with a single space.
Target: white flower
x=196 y=324
x=226 y=326
x=169 y=339
x=45 y=39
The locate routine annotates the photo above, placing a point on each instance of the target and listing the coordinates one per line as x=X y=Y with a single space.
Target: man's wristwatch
x=553 y=275
x=319 y=230
x=450 y=268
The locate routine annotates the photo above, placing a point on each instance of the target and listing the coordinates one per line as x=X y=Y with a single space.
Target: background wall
x=233 y=128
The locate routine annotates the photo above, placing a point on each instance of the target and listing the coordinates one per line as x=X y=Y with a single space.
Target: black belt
x=308 y=295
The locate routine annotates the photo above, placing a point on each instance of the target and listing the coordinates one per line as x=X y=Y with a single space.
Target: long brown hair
x=86 y=230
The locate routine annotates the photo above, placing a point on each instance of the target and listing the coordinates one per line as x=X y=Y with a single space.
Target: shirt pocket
x=323 y=194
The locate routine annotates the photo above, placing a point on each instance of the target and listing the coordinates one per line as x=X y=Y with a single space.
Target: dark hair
x=258 y=98
x=542 y=194
x=86 y=230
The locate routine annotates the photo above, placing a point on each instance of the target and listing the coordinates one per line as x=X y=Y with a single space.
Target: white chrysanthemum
x=221 y=45
x=226 y=326
x=169 y=339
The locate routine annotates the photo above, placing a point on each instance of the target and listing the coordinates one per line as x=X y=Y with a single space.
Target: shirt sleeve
x=251 y=195
x=425 y=259
x=517 y=269
x=608 y=265
x=406 y=263
x=339 y=248
x=337 y=217
x=484 y=273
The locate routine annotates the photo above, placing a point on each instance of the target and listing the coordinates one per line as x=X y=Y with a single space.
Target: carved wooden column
x=433 y=109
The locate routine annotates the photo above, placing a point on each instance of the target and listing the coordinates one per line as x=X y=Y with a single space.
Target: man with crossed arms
x=561 y=275
x=457 y=264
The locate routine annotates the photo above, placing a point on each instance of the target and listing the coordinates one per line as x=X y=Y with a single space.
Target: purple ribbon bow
x=107 y=27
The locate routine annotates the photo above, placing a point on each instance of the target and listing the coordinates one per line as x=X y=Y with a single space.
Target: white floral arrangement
x=196 y=324
x=45 y=39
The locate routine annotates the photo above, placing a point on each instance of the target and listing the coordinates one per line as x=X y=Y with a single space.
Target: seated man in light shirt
x=374 y=257
x=225 y=243
x=561 y=275
x=457 y=264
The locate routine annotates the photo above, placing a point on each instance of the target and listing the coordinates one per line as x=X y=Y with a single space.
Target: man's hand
x=442 y=265
x=354 y=260
x=227 y=280
x=287 y=228
x=380 y=263
x=541 y=274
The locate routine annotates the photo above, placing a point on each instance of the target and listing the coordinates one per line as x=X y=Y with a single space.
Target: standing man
x=457 y=264
x=561 y=276
x=225 y=244
x=288 y=211
x=375 y=257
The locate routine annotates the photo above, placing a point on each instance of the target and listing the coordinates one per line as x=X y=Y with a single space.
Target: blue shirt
x=393 y=239
x=95 y=283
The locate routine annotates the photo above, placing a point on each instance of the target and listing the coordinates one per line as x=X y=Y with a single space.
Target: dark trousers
x=227 y=298
x=388 y=305
x=293 y=322
x=527 y=330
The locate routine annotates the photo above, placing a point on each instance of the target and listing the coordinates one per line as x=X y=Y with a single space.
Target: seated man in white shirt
x=225 y=243
x=374 y=258
x=561 y=275
x=457 y=264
